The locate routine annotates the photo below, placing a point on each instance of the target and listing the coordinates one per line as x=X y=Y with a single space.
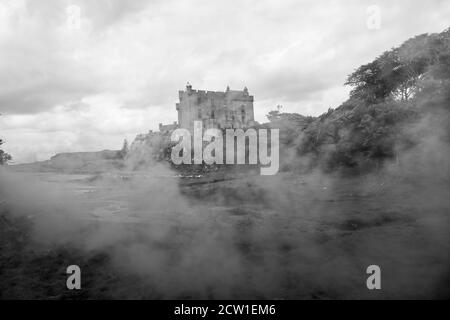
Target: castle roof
x=219 y=95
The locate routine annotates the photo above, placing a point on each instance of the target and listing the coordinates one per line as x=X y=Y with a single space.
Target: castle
x=216 y=109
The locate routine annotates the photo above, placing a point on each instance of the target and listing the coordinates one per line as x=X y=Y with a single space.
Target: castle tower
x=216 y=109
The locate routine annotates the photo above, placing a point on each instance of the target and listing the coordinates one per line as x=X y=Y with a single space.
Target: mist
x=249 y=236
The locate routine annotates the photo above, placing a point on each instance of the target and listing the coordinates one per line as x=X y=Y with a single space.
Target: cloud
x=91 y=125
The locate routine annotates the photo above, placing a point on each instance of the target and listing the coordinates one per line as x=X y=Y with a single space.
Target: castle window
x=243 y=113
x=212 y=114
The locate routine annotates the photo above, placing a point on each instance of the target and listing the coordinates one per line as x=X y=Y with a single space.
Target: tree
x=125 y=148
x=397 y=73
x=4 y=157
x=368 y=83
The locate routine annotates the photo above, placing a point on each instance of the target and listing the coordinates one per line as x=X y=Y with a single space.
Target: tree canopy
x=390 y=93
x=397 y=73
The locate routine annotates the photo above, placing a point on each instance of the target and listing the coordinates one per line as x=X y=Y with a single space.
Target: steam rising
x=286 y=236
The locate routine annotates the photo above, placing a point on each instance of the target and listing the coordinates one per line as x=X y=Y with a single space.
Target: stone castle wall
x=216 y=109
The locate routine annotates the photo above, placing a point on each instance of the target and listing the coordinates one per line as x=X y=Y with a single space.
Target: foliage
x=125 y=149
x=389 y=95
x=4 y=157
x=397 y=73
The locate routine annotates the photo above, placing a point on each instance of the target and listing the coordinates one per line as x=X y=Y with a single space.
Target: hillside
x=76 y=162
x=400 y=103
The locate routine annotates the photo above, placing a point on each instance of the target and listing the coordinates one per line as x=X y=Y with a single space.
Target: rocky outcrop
x=147 y=149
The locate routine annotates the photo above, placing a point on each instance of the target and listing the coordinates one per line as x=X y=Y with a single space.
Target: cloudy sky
x=82 y=75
